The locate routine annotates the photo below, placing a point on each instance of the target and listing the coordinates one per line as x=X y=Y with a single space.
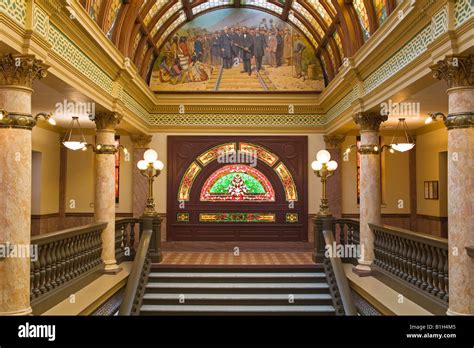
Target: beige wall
x=395 y=180
x=315 y=143
x=429 y=146
x=47 y=143
x=80 y=179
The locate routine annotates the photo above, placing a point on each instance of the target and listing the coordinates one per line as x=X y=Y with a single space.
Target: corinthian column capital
x=107 y=121
x=141 y=141
x=458 y=71
x=333 y=141
x=369 y=121
x=20 y=70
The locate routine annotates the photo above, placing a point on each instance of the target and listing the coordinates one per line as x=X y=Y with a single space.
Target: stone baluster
x=441 y=262
x=434 y=266
x=429 y=270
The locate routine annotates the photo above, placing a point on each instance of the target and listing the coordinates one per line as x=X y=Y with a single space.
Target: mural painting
x=237 y=50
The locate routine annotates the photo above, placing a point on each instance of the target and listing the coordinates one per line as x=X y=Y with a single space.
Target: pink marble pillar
x=104 y=203
x=458 y=71
x=370 y=194
x=140 y=183
x=334 y=185
x=17 y=73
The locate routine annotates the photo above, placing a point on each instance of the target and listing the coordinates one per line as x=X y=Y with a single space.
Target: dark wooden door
x=203 y=206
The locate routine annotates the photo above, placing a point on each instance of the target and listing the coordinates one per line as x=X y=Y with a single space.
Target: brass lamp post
x=324 y=168
x=150 y=167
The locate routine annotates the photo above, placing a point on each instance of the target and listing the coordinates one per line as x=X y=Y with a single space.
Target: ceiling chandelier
x=402 y=146
x=74 y=145
x=81 y=143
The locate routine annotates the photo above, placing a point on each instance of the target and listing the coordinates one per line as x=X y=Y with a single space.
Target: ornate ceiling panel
x=140 y=27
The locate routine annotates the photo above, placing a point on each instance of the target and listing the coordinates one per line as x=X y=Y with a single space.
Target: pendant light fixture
x=81 y=143
x=403 y=146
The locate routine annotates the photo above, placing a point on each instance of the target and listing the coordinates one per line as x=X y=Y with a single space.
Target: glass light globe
x=323 y=156
x=158 y=165
x=52 y=121
x=142 y=165
x=429 y=120
x=402 y=147
x=316 y=165
x=332 y=166
x=150 y=156
x=74 y=145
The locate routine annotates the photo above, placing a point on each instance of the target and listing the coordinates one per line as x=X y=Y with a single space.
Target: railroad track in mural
x=234 y=80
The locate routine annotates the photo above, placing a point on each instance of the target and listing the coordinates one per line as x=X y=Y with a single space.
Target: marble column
x=104 y=203
x=458 y=71
x=370 y=190
x=334 y=185
x=140 y=184
x=17 y=73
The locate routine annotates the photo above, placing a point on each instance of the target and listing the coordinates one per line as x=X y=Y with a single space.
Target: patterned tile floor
x=244 y=258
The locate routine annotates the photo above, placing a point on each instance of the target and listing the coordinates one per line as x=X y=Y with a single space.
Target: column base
x=21 y=312
x=362 y=269
x=450 y=312
x=112 y=268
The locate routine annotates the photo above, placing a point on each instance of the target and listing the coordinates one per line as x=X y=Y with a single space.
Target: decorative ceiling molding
x=145 y=25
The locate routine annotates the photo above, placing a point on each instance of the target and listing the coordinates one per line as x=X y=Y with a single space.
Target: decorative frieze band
x=459 y=120
x=17 y=120
x=369 y=149
x=105 y=149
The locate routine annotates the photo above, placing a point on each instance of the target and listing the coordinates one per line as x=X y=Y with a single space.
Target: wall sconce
x=374 y=149
x=150 y=167
x=432 y=116
x=324 y=168
x=46 y=117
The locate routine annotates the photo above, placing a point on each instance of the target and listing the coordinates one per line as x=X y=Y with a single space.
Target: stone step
x=235 y=310
x=281 y=288
x=269 y=277
x=236 y=299
x=316 y=268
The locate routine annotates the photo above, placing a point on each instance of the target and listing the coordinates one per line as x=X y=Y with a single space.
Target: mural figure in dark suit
x=226 y=48
x=246 y=45
x=260 y=44
x=216 y=49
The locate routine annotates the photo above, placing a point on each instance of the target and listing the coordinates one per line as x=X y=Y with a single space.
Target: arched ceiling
x=336 y=28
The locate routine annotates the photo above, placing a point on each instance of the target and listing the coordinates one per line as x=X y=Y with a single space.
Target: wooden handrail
x=340 y=277
x=46 y=238
x=138 y=269
x=415 y=236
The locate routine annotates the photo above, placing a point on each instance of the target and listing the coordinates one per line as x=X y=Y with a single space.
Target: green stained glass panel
x=221 y=186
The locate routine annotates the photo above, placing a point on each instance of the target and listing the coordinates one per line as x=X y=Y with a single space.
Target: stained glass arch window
x=235 y=183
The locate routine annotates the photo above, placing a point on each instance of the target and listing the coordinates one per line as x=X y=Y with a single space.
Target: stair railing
x=138 y=278
x=126 y=238
x=65 y=262
x=337 y=280
x=414 y=263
